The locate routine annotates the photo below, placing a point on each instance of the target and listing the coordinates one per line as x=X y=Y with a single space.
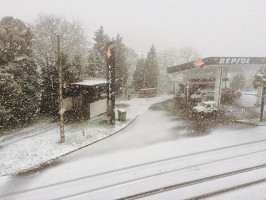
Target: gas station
x=211 y=73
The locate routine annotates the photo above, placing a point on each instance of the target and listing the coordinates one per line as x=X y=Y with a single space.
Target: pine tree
x=28 y=104
x=97 y=55
x=139 y=75
x=18 y=73
x=49 y=92
x=77 y=68
x=152 y=73
x=132 y=59
x=121 y=73
x=71 y=71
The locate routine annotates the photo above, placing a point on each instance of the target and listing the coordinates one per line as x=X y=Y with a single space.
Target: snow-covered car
x=205 y=108
x=202 y=94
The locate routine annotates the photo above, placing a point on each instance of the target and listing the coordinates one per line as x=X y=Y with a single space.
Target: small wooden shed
x=147 y=92
x=85 y=99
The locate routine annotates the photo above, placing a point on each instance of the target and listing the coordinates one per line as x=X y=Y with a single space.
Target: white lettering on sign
x=228 y=60
x=234 y=61
x=222 y=61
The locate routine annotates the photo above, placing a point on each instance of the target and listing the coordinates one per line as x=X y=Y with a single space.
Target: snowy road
x=159 y=156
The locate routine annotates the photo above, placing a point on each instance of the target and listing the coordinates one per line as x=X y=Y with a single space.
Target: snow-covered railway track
x=150 y=185
x=182 y=166
x=203 y=180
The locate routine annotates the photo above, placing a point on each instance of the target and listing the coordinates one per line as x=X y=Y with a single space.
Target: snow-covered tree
x=188 y=54
x=18 y=73
x=15 y=40
x=152 y=69
x=70 y=70
x=46 y=29
x=121 y=65
x=167 y=58
x=77 y=67
x=73 y=44
x=132 y=59
x=139 y=75
x=97 y=55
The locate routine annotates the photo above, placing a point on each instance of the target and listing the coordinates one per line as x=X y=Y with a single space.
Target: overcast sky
x=212 y=27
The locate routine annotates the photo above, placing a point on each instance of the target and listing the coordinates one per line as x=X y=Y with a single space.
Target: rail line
x=229 y=189
x=142 y=165
x=164 y=189
x=202 y=180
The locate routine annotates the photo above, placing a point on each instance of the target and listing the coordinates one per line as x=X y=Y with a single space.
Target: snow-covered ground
x=39 y=144
x=155 y=152
x=248 y=99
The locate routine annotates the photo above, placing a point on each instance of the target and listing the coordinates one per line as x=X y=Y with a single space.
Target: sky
x=212 y=27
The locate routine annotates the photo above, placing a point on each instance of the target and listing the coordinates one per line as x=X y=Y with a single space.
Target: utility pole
x=111 y=81
x=61 y=112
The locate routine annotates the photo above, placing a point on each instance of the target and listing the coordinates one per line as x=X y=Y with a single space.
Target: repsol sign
x=218 y=61
x=234 y=61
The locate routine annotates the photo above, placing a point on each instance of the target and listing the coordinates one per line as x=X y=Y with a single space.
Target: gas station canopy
x=219 y=62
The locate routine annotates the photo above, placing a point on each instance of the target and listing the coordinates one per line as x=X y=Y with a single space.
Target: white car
x=206 y=107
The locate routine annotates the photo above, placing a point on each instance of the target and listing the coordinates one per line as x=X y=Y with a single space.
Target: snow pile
x=32 y=152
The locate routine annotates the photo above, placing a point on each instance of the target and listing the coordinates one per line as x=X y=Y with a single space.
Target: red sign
x=108 y=53
x=198 y=63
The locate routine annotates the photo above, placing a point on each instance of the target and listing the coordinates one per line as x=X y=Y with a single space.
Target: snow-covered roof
x=209 y=102
x=147 y=89
x=91 y=82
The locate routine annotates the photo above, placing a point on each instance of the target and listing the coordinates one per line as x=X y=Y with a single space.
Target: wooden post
x=61 y=112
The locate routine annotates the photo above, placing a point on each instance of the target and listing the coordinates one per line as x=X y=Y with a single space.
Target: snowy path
x=36 y=145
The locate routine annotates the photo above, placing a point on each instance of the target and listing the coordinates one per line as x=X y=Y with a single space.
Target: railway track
x=198 y=181
x=150 y=170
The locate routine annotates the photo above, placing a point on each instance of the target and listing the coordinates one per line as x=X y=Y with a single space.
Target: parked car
x=202 y=95
x=206 y=108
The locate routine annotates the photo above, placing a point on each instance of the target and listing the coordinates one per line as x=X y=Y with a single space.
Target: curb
x=53 y=159
x=250 y=123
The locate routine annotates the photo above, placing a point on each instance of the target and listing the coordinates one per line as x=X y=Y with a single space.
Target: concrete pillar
x=218 y=86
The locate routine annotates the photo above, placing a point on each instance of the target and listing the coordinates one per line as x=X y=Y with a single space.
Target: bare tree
x=188 y=54
x=167 y=58
x=46 y=28
x=73 y=45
